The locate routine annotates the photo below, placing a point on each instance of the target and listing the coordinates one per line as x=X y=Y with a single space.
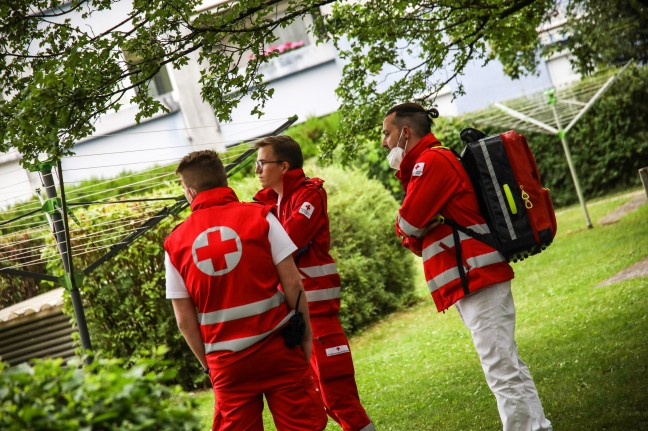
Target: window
x=159 y=85
x=289 y=38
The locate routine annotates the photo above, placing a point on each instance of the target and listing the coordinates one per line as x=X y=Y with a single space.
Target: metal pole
x=61 y=235
x=561 y=135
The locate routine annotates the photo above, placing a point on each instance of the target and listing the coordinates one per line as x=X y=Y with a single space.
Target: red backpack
x=517 y=209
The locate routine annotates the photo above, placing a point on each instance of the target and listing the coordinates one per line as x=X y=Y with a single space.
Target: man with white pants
x=473 y=277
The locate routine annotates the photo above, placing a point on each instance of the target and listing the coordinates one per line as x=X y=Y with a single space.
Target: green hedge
x=609 y=144
x=104 y=396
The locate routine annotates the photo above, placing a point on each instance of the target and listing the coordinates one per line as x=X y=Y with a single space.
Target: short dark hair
x=415 y=116
x=202 y=170
x=285 y=149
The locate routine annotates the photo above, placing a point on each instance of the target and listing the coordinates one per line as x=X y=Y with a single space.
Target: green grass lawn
x=586 y=347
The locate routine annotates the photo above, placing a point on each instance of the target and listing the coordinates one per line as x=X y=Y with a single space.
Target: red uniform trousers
x=334 y=373
x=279 y=373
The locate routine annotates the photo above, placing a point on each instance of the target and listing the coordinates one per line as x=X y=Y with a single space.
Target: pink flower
x=284 y=47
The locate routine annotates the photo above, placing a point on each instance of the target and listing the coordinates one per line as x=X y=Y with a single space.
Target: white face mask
x=396 y=154
x=395 y=157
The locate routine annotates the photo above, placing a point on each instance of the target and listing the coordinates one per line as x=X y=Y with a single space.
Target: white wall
x=16 y=183
x=560 y=70
x=304 y=83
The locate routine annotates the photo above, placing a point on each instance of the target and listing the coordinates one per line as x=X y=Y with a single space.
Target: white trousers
x=489 y=314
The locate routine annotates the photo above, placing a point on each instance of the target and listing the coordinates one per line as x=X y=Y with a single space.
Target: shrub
x=101 y=396
x=309 y=134
x=14 y=240
x=376 y=271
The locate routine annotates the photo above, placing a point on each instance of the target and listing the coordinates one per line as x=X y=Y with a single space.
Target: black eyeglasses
x=261 y=163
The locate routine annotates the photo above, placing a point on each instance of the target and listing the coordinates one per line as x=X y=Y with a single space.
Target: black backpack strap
x=456 y=228
x=459 y=257
x=483 y=237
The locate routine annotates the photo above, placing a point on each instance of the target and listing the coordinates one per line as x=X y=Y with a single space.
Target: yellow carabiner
x=525 y=197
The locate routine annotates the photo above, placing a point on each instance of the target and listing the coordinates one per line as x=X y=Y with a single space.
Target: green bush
x=376 y=271
x=309 y=134
x=609 y=144
x=48 y=396
x=14 y=239
x=14 y=289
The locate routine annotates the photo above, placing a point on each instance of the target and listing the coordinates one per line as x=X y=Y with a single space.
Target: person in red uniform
x=300 y=205
x=436 y=183
x=223 y=265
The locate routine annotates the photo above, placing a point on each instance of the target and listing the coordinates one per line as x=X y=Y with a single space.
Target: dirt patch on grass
x=634 y=203
x=639 y=269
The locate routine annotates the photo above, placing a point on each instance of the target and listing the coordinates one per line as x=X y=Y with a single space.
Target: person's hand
x=415 y=245
x=436 y=221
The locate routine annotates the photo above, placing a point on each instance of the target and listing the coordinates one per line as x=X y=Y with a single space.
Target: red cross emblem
x=217 y=250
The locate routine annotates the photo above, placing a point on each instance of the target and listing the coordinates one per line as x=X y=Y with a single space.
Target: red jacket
x=303 y=213
x=223 y=254
x=435 y=182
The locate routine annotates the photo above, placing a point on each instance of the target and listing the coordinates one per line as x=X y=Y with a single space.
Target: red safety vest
x=223 y=254
x=303 y=213
x=435 y=182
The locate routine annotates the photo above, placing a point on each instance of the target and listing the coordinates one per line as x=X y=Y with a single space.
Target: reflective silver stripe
x=319 y=270
x=498 y=191
x=435 y=248
x=408 y=228
x=239 y=344
x=323 y=294
x=474 y=262
x=242 y=311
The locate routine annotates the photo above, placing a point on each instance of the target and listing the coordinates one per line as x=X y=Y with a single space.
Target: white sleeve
x=175 y=286
x=281 y=245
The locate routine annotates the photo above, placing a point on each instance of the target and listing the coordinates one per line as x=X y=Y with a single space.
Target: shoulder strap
x=485 y=238
x=456 y=228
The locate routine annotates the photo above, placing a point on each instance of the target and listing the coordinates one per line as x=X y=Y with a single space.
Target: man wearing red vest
x=436 y=183
x=300 y=205
x=223 y=265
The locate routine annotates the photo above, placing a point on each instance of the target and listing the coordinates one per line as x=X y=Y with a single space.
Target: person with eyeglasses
x=300 y=204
